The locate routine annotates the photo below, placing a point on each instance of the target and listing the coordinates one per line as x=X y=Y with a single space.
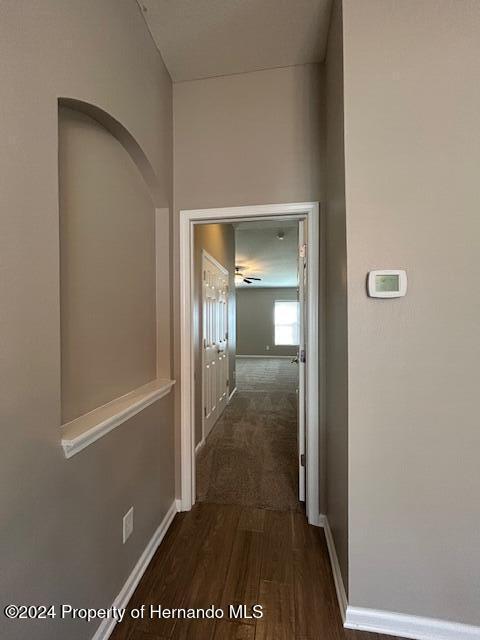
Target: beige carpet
x=250 y=457
x=266 y=374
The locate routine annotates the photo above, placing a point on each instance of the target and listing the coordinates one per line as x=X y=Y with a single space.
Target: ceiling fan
x=244 y=278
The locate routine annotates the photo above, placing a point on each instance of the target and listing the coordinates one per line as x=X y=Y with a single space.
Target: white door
x=301 y=357
x=215 y=341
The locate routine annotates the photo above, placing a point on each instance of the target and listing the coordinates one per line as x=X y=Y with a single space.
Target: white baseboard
x=199 y=445
x=388 y=622
x=406 y=626
x=337 y=574
x=232 y=394
x=239 y=355
x=121 y=601
x=319 y=521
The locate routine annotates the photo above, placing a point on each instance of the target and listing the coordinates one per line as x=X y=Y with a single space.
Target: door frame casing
x=188 y=218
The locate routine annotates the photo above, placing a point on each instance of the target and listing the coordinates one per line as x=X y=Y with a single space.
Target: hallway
x=250 y=457
x=246 y=541
x=230 y=555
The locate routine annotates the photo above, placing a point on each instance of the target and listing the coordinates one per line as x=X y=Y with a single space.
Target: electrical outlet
x=267 y=347
x=127 y=524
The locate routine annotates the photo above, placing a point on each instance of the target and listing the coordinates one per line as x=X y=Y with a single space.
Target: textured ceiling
x=205 y=38
x=260 y=253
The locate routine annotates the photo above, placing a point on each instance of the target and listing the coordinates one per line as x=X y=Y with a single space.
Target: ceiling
x=206 y=38
x=261 y=254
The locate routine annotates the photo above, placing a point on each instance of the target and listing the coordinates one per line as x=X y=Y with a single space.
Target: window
x=286 y=322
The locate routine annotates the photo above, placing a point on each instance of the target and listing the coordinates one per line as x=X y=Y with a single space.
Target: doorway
x=306 y=216
x=253 y=454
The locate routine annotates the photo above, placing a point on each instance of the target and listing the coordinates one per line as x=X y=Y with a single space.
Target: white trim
x=407 y=626
x=337 y=574
x=199 y=445
x=388 y=622
x=187 y=386
x=162 y=290
x=302 y=276
x=87 y=429
x=232 y=394
x=304 y=210
x=239 y=355
x=107 y=626
x=322 y=519
x=312 y=395
x=319 y=521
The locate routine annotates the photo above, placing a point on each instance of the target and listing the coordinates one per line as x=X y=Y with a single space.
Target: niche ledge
x=87 y=429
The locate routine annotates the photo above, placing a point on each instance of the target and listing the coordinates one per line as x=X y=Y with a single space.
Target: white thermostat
x=387 y=283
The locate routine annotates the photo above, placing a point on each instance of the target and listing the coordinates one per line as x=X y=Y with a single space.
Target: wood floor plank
x=358 y=635
x=299 y=531
x=126 y=628
x=207 y=579
x=174 y=568
x=138 y=634
x=194 y=630
x=230 y=630
x=173 y=587
x=243 y=577
x=252 y=519
x=277 y=563
x=207 y=582
x=351 y=634
x=278 y=622
x=316 y=607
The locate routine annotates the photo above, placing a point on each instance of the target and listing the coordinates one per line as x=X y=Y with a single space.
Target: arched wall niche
x=118 y=131
x=108 y=259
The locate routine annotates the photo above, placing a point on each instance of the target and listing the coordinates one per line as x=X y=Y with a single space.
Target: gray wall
x=255 y=328
x=107 y=268
x=412 y=104
x=250 y=138
x=219 y=241
x=61 y=519
x=336 y=391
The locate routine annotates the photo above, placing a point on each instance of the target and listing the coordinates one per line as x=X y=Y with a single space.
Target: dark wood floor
x=227 y=555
